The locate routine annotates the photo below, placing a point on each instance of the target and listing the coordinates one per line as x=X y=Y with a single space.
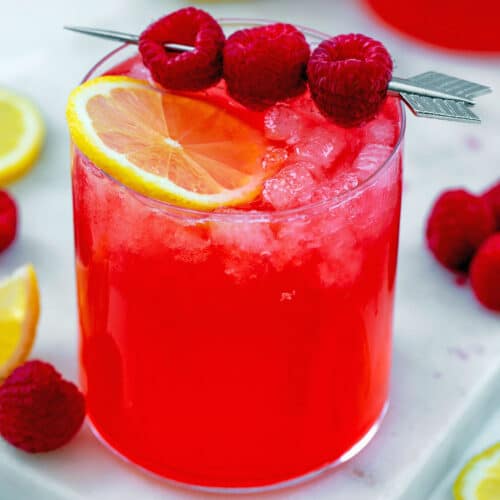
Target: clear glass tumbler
x=235 y=350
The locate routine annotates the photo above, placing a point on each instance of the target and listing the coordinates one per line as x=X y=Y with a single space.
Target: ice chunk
x=308 y=110
x=380 y=131
x=369 y=159
x=321 y=146
x=274 y=160
x=341 y=254
x=245 y=247
x=297 y=239
x=283 y=124
x=326 y=241
x=323 y=192
x=190 y=244
x=243 y=236
x=342 y=183
x=291 y=187
x=139 y=71
x=339 y=273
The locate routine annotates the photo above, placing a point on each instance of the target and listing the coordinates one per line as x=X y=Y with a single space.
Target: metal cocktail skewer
x=431 y=94
x=118 y=36
x=396 y=85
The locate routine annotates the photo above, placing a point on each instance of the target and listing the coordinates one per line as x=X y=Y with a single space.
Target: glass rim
x=256 y=215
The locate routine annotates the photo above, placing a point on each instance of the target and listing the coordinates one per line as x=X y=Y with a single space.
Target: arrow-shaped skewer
x=431 y=95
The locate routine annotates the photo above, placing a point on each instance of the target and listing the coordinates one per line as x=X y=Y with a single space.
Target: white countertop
x=447 y=348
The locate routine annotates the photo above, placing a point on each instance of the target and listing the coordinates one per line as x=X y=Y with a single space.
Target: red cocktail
x=248 y=346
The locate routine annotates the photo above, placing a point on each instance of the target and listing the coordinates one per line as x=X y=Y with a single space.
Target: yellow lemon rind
x=462 y=480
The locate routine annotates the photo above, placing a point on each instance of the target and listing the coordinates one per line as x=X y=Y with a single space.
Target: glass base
x=350 y=453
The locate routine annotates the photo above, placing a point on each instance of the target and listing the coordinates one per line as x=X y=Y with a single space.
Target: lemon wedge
x=480 y=478
x=21 y=136
x=174 y=148
x=19 y=313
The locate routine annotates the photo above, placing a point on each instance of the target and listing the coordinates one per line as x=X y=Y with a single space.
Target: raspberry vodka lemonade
x=236 y=240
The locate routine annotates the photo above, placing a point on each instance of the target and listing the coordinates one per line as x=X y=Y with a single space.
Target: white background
x=447 y=348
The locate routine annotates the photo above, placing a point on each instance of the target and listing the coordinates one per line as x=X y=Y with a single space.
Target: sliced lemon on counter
x=19 y=313
x=21 y=135
x=171 y=147
x=480 y=478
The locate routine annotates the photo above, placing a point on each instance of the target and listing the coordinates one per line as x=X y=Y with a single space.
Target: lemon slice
x=167 y=146
x=21 y=136
x=480 y=478
x=19 y=312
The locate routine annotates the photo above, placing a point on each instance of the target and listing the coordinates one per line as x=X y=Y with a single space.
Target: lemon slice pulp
x=170 y=147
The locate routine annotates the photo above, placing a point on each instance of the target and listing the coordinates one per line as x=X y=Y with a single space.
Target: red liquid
x=231 y=352
x=459 y=24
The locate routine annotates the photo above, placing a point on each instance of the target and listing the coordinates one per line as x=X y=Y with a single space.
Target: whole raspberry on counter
x=266 y=64
x=492 y=197
x=485 y=273
x=348 y=78
x=195 y=70
x=39 y=410
x=8 y=220
x=459 y=222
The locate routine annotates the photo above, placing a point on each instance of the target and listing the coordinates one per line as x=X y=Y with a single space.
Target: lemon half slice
x=21 y=135
x=19 y=313
x=171 y=147
x=480 y=478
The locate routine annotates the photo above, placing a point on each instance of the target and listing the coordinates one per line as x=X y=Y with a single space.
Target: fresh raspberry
x=8 y=220
x=459 y=222
x=492 y=197
x=485 y=273
x=348 y=78
x=39 y=411
x=196 y=70
x=266 y=64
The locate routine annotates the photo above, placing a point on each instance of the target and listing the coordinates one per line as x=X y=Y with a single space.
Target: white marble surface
x=447 y=348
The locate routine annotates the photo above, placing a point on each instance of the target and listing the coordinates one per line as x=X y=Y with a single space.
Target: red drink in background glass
x=247 y=347
x=457 y=25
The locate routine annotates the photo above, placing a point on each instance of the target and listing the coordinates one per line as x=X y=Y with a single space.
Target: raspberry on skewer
x=266 y=64
x=191 y=70
x=348 y=77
